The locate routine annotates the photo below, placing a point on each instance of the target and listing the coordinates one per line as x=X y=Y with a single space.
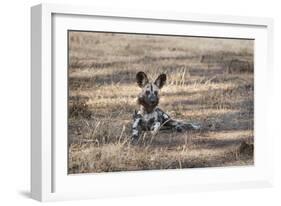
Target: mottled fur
x=150 y=117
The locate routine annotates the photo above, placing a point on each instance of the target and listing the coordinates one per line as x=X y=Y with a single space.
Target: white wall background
x=15 y=95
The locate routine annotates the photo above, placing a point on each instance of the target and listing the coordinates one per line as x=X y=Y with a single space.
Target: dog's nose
x=152 y=99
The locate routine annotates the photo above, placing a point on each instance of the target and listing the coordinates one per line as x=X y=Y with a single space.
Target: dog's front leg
x=136 y=128
x=155 y=128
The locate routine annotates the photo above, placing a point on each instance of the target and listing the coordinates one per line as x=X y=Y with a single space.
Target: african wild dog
x=150 y=117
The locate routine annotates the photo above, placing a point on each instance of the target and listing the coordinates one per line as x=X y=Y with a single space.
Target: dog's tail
x=179 y=126
x=191 y=126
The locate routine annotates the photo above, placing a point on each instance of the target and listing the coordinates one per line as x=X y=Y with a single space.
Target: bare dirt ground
x=210 y=82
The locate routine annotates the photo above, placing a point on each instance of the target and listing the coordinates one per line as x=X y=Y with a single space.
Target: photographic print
x=149 y=102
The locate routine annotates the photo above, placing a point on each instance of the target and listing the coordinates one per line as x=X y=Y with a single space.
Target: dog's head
x=149 y=96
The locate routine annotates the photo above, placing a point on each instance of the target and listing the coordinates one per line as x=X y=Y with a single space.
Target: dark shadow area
x=206 y=72
x=149 y=59
x=163 y=140
x=91 y=63
x=122 y=77
x=210 y=143
x=181 y=93
x=216 y=161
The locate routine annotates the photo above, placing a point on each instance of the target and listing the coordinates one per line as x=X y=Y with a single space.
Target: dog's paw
x=134 y=139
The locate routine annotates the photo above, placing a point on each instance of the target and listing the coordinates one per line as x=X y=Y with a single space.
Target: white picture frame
x=49 y=179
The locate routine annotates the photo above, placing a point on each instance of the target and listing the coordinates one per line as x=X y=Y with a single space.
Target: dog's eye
x=147 y=92
x=156 y=93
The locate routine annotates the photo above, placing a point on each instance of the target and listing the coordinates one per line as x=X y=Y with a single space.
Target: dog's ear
x=160 y=81
x=142 y=79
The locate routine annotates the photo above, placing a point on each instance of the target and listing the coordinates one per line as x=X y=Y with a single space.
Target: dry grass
x=210 y=81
